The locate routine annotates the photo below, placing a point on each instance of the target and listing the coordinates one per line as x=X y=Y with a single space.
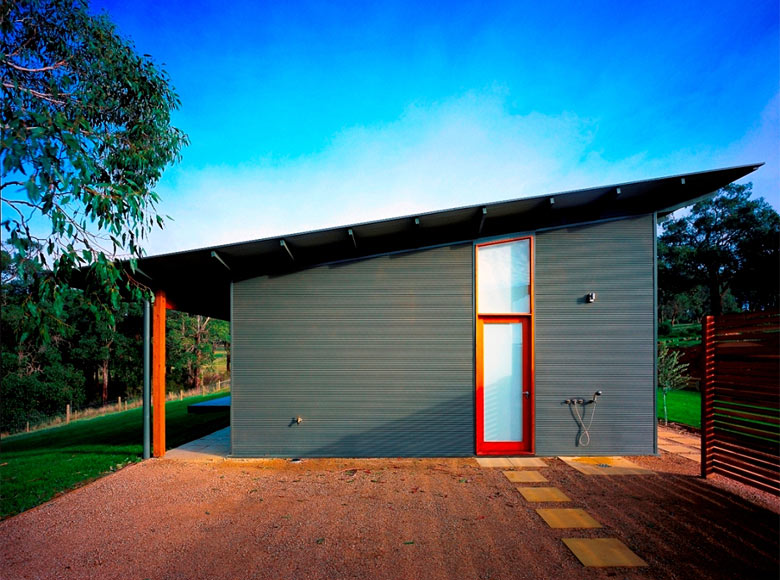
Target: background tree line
x=87 y=362
x=722 y=257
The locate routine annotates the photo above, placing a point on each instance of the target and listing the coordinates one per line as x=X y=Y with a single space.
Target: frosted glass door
x=503 y=382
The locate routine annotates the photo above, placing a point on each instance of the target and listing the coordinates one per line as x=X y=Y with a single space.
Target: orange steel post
x=158 y=374
x=707 y=394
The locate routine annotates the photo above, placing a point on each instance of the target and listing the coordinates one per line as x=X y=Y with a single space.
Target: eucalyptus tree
x=86 y=134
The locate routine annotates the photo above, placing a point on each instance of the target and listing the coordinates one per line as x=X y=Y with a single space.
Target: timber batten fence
x=740 y=398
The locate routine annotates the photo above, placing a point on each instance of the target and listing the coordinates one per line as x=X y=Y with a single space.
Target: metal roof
x=198 y=281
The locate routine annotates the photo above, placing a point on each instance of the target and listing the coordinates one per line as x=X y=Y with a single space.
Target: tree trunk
x=716 y=304
x=200 y=325
x=104 y=371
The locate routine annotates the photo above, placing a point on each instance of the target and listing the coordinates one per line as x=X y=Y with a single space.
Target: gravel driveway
x=388 y=518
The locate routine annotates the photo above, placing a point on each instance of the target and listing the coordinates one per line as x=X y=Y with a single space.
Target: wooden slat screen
x=741 y=398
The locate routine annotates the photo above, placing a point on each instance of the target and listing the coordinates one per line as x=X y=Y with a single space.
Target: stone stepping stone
x=675 y=448
x=494 y=462
x=687 y=441
x=567 y=518
x=543 y=494
x=682 y=437
x=527 y=462
x=603 y=552
x=525 y=476
x=605 y=466
x=511 y=462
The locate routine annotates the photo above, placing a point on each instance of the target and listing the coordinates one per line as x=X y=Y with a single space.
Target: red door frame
x=525 y=446
x=528 y=445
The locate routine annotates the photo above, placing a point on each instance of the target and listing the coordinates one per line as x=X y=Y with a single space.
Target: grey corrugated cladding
x=606 y=345
x=376 y=357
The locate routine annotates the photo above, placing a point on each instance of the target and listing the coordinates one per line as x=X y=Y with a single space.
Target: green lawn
x=684 y=407
x=680 y=335
x=34 y=467
x=220 y=363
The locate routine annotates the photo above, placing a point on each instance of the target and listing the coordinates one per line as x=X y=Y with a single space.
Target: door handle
x=526 y=393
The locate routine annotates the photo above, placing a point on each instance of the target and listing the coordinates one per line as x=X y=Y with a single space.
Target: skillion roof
x=198 y=281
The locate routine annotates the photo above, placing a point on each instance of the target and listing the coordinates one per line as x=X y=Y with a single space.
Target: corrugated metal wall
x=607 y=345
x=376 y=356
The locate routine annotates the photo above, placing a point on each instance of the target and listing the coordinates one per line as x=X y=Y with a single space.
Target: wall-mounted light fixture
x=590 y=297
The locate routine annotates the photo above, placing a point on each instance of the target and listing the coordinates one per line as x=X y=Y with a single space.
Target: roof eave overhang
x=199 y=280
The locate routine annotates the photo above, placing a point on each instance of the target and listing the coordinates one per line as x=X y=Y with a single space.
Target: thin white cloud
x=462 y=151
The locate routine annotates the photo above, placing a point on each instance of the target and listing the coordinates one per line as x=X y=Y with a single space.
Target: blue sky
x=304 y=115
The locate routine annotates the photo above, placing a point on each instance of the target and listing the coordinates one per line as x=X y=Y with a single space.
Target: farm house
x=481 y=330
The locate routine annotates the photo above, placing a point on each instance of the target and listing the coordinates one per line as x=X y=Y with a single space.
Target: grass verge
x=679 y=335
x=683 y=406
x=34 y=467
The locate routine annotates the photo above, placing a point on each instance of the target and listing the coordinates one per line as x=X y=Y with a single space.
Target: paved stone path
x=214 y=447
x=591 y=552
x=685 y=444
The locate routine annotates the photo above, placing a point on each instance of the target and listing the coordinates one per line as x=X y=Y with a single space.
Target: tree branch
x=45 y=96
x=9 y=183
x=17 y=210
x=15 y=66
x=15 y=202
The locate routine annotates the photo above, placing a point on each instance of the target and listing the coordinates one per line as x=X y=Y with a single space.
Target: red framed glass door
x=504 y=332
x=504 y=387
